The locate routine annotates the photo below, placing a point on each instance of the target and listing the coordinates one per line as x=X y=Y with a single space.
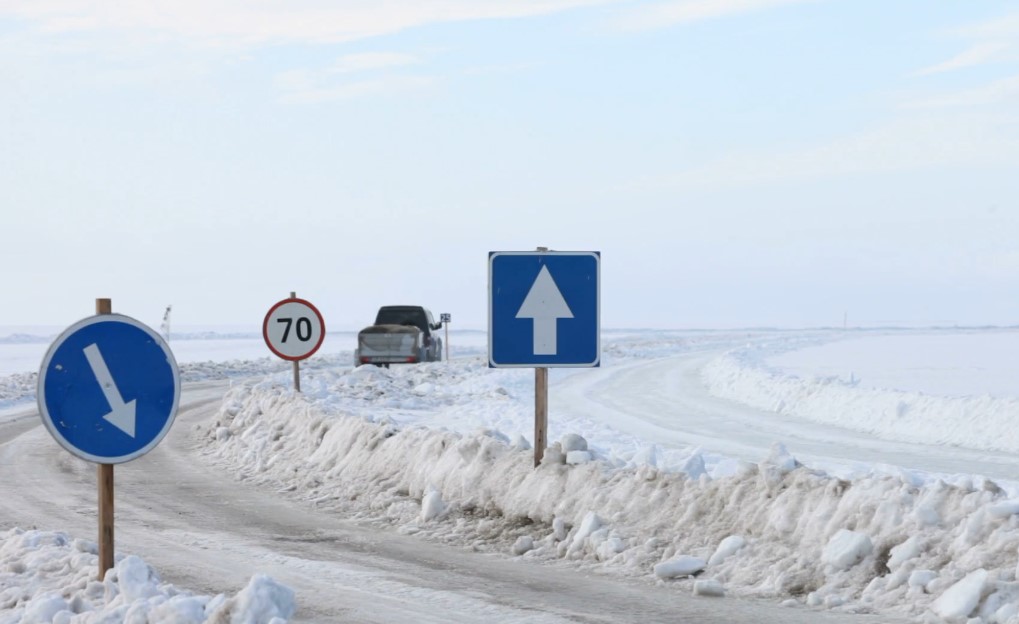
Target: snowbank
x=19 y=388
x=776 y=528
x=49 y=577
x=979 y=422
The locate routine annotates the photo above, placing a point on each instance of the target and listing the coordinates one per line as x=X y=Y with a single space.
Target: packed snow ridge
x=978 y=422
x=358 y=442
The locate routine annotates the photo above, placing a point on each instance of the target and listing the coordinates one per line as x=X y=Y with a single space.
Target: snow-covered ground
x=442 y=451
x=47 y=576
x=957 y=363
x=946 y=388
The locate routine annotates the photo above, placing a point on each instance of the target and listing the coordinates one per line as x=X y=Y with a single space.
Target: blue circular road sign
x=108 y=389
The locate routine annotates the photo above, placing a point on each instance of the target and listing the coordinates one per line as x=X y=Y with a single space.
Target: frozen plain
x=723 y=455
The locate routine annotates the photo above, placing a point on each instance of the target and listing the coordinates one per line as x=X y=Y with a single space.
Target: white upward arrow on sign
x=122 y=415
x=545 y=304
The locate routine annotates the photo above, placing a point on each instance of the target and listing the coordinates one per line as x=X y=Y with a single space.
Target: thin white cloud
x=310 y=94
x=1004 y=27
x=500 y=69
x=664 y=14
x=905 y=145
x=978 y=54
x=296 y=80
x=992 y=41
x=1003 y=91
x=367 y=61
x=334 y=83
x=238 y=22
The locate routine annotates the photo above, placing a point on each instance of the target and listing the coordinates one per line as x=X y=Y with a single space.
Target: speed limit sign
x=293 y=329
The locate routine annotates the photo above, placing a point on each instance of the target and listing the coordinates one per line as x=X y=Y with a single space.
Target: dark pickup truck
x=401 y=334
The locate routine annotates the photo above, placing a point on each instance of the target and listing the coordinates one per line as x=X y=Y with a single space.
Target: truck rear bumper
x=386 y=359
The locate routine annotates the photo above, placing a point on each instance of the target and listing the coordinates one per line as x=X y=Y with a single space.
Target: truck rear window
x=392 y=316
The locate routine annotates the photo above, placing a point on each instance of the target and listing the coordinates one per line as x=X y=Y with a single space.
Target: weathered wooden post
x=297 y=363
x=105 y=481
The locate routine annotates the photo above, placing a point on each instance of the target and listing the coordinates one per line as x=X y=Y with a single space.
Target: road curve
x=207 y=532
x=664 y=400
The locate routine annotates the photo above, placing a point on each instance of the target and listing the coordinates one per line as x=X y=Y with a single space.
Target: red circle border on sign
x=265 y=329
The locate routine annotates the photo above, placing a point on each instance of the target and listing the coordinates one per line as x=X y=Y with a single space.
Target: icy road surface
x=666 y=400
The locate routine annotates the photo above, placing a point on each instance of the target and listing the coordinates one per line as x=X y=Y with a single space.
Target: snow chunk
x=263 y=601
x=559 y=529
x=1005 y=613
x=590 y=533
x=553 y=455
x=136 y=579
x=610 y=548
x=727 y=548
x=432 y=505
x=905 y=551
x=683 y=565
x=43 y=609
x=424 y=388
x=921 y=578
x=1004 y=509
x=846 y=549
x=647 y=456
x=926 y=515
x=578 y=457
x=589 y=525
x=523 y=544
x=959 y=600
x=573 y=442
x=520 y=444
x=781 y=458
x=708 y=587
x=693 y=466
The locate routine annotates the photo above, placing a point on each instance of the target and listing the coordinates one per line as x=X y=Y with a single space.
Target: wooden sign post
x=540 y=406
x=540 y=413
x=105 y=479
x=297 y=363
x=293 y=329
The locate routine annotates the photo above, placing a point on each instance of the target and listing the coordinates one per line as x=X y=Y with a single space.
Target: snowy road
x=666 y=401
x=205 y=531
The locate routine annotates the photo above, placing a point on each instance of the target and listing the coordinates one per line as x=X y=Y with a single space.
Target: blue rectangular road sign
x=543 y=309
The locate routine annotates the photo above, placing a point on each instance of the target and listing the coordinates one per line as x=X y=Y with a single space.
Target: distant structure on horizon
x=165 y=327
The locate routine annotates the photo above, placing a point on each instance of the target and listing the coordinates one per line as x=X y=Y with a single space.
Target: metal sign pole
x=446 y=319
x=105 y=478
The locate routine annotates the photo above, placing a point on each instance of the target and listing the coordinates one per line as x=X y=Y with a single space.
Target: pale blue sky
x=737 y=162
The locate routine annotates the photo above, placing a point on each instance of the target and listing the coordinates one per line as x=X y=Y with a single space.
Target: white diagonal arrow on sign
x=122 y=415
x=546 y=305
